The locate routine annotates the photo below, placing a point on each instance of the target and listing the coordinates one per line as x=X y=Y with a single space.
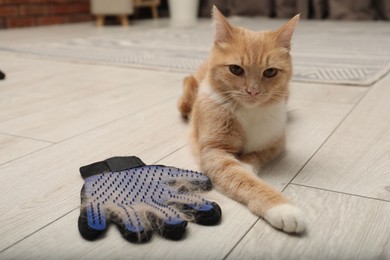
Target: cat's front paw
x=286 y=217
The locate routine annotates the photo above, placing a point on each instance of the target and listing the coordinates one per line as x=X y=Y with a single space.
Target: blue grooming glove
x=141 y=199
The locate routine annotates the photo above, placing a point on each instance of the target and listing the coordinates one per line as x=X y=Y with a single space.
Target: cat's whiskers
x=229 y=99
x=278 y=95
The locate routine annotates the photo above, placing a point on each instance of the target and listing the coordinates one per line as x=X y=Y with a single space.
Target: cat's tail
x=186 y=101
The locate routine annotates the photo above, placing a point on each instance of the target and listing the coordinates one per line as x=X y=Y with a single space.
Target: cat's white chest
x=262 y=125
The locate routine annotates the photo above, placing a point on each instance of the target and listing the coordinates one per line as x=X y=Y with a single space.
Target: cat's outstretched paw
x=287 y=218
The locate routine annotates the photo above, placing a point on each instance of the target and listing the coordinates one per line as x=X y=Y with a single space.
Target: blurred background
x=25 y=13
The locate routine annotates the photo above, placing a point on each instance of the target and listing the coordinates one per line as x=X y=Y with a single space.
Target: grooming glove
x=141 y=199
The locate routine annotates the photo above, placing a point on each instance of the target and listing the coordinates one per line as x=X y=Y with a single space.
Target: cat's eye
x=270 y=72
x=236 y=70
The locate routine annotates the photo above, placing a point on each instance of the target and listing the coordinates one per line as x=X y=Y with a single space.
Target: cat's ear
x=223 y=29
x=284 y=34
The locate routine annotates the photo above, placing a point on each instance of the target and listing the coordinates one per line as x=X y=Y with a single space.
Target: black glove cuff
x=114 y=164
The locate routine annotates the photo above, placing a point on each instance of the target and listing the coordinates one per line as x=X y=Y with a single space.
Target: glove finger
x=189 y=179
x=207 y=214
x=197 y=208
x=92 y=221
x=130 y=224
x=166 y=221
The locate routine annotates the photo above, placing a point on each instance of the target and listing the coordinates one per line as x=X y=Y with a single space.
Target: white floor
x=57 y=116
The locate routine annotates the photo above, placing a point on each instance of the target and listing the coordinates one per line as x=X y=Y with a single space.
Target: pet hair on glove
x=141 y=199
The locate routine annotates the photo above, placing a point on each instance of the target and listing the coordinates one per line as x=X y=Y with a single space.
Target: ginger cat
x=237 y=107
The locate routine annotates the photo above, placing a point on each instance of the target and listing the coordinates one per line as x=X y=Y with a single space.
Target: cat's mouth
x=251 y=101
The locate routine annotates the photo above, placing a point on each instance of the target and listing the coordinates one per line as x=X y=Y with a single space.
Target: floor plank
x=45 y=94
x=61 y=84
x=22 y=72
x=340 y=227
x=356 y=158
x=65 y=120
x=327 y=92
x=12 y=147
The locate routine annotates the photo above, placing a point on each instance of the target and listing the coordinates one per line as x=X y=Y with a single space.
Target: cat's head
x=250 y=68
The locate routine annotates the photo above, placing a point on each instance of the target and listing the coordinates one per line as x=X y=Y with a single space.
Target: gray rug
x=356 y=53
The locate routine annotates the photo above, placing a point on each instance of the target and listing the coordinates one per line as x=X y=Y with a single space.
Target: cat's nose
x=252 y=91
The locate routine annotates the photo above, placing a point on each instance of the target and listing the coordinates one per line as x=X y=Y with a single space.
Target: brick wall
x=23 y=13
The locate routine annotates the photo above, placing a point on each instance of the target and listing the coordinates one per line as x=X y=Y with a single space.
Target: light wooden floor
x=57 y=116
